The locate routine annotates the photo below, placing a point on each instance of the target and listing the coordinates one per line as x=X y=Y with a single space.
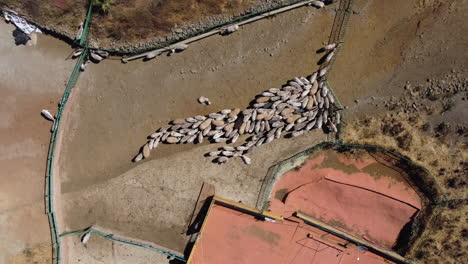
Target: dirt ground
x=414 y=101
x=27 y=88
x=351 y=191
x=388 y=46
x=99 y=250
x=118 y=105
x=381 y=47
x=231 y=236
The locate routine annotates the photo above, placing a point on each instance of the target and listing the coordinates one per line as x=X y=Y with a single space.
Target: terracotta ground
x=356 y=194
x=232 y=237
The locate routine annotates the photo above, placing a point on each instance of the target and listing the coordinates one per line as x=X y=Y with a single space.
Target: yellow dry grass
x=446 y=238
x=144 y=20
x=442 y=157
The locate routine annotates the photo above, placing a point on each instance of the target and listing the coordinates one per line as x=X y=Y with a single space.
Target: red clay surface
x=360 y=196
x=233 y=237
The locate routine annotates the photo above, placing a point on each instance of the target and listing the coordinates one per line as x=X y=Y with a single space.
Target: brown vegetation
x=145 y=20
x=60 y=16
x=413 y=126
x=135 y=21
x=446 y=239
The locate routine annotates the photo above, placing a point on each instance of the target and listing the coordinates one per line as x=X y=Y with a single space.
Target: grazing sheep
x=317 y=4
x=178 y=47
x=313 y=77
x=77 y=52
x=204 y=100
x=329 y=57
x=47 y=115
x=79 y=32
x=146 y=151
x=297 y=133
x=246 y=159
x=96 y=57
x=230 y=29
x=221 y=160
x=83 y=65
x=152 y=55
x=214 y=153
x=323 y=72
x=85 y=237
x=138 y=157
x=172 y=140
x=102 y=53
x=330 y=46
x=301 y=105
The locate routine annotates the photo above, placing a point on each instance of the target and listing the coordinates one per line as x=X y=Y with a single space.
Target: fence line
x=131 y=242
x=339 y=28
x=419 y=178
x=49 y=191
x=212 y=30
x=337 y=35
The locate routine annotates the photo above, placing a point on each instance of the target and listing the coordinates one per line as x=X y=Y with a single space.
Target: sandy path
x=31 y=79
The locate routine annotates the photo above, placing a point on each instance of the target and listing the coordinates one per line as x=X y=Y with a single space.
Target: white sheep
x=79 y=32
x=230 y=29
x=178 y=47
x=48 y=115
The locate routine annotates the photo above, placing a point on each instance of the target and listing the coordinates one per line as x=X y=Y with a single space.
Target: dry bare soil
x=26 y=88
x=416 y=104
x=401 y=73
x=118 y=105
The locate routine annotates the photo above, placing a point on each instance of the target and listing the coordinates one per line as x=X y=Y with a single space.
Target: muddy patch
x=264 y=235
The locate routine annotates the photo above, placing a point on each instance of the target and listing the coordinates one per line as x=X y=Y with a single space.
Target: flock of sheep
x=301 y=105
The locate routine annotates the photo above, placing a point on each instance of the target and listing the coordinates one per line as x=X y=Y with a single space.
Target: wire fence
x=429 y=186
x=417 y=176
x=262 y=12
x=116 y=238
x=339 y=28
x=340 y=107
x=50 y=159
x=49 y=190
